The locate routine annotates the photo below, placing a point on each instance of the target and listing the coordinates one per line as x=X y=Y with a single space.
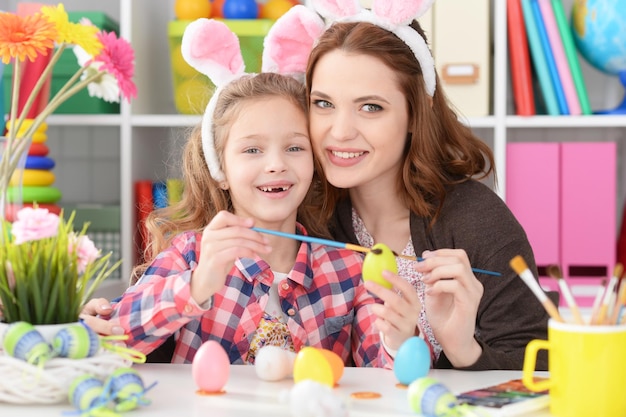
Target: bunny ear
x=213 y=49
x=288 y=44
x=400 y=12
x=336 y=9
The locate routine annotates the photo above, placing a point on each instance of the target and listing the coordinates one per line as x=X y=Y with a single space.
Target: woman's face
x=358 y=120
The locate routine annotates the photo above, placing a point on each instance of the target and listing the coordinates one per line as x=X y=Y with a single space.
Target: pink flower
x=87 y=251
x=34 y=224
x=118 y=59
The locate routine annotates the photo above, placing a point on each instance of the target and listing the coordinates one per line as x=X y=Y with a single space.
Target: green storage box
x=81 y=102
x=193 y=90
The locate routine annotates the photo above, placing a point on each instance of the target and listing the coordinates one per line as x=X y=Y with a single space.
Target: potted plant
x=47 y=269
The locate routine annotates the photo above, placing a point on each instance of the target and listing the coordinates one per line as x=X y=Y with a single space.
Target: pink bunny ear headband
x=394 y=16
x=213 y=49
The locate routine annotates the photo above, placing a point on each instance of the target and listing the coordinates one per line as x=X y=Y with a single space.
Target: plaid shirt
x=324 y=298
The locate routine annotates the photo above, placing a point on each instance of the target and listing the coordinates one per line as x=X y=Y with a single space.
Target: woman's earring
x=223 y=185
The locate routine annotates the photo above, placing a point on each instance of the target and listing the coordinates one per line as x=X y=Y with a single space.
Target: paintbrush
x=555 y=272
x=602 y=311
x=620 y=304
x=351 y=246
x=519 y=266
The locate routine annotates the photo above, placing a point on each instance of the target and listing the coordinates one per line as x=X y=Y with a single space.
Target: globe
x=599 y=29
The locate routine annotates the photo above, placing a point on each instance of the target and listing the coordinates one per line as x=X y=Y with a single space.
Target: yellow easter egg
x=335 y=362
x=311 y=363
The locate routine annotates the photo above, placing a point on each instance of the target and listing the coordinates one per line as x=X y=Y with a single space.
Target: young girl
x=400 y=168
x=251 y=163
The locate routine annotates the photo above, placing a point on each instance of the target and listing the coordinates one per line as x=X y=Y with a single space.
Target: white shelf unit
x=151 y=133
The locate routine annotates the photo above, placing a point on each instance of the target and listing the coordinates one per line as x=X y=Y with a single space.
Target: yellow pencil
x=519 y=266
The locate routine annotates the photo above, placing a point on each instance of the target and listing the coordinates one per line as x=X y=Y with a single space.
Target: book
x=519 y=56
x=144 y=205
x=510 y=398
x=539 y=60
x=562 y=66
x=572 y=55
x=547 y=51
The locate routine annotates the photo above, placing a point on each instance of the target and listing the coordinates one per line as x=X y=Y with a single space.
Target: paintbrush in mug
x=601 y=317
x=519 y=266
x=351 y=246
x=555 y=272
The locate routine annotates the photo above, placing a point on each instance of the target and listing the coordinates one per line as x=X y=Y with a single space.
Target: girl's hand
x=226 y=238
x=452 y=295
x=96 y=314
x=399 y=313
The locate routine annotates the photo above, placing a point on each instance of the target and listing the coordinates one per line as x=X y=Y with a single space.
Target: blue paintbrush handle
x=341 y=245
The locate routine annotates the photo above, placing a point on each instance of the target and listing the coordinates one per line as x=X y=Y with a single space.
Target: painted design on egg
x=23 y=341
x=88 y=395
x=127 y=389
x=77 y=341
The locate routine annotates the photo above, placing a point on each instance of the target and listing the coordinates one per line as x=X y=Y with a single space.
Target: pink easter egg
x=210 y=367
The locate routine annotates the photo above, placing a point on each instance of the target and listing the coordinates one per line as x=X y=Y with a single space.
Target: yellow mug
x=587 y=366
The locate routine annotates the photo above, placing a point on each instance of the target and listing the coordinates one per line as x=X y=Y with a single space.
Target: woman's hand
x=452 y=295
x=226 y=238
x=96 y=314
x=399 y=313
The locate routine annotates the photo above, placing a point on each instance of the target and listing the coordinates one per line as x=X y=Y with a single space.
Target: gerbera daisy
x=118 y=59
x=105 y=86
x=25 y=37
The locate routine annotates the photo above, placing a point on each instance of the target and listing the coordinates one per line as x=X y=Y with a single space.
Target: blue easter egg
x=240 y=9
x=127 y=389
x=23 y=341
x=76 y=341
x=429 y=397
x=86 y=392
x=412 y=360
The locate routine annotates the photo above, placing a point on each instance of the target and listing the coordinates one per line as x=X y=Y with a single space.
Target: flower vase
x=11 y=181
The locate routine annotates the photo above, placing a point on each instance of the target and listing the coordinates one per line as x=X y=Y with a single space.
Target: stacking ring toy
x=34 y=177
x=38 y=149
x=39 y=162
x=35 y=194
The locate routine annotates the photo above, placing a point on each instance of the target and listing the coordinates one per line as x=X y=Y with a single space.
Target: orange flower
x=25 y=37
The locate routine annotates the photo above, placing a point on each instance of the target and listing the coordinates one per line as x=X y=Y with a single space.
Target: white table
x=248 y=396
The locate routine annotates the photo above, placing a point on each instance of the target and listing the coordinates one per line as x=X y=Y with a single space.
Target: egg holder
x=33 y=373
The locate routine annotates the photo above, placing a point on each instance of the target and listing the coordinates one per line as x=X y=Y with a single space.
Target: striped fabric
x=323 y=297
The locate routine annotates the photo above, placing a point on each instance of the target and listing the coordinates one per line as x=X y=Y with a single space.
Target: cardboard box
x=81 y=102
x=193 y=90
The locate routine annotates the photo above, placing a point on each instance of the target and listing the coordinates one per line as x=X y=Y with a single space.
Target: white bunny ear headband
x=213 y=49
x=394 y=16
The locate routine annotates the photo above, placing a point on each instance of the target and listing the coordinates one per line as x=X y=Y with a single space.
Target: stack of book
x=539 y=32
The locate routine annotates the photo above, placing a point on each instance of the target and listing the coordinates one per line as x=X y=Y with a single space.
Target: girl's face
x=358 y=120
x=268 y=160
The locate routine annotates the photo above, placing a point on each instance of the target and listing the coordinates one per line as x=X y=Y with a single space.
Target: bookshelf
x=145 y=139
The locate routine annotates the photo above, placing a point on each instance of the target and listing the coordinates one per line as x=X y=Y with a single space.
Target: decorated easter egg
x=379 y=259
x=76 y=341
x=429 y=397
x=127 y=389
x=23 y=341
x=335 y=362
x=87 y=392
x=210 y=367
x=273 y=363
x=412 y=360
x=312 y=364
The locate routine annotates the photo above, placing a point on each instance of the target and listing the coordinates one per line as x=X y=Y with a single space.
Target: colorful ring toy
x=35 y=194
x=34 y=177
x=39 y=162
x=38 y=149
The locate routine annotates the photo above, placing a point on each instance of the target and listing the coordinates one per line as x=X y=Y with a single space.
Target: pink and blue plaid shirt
x=324 y=298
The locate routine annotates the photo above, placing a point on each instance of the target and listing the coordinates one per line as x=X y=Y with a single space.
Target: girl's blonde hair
x=202 y=196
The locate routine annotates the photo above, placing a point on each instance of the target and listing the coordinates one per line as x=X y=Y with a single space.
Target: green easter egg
x=76 y=341
x=23 y=341
x=429 y=397
x=377 y=260
x=86 y=392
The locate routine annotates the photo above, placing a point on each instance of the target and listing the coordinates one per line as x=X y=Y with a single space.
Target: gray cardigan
x=474 y=218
